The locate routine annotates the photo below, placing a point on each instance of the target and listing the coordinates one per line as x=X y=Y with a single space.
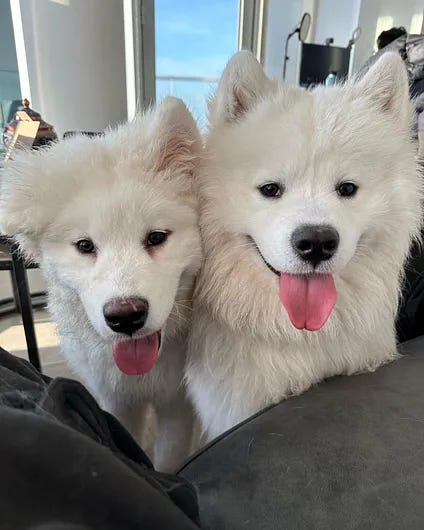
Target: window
x=194 y=41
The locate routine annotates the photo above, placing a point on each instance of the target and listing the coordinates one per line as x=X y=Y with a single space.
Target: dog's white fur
x=114 y=190
x=244 y=352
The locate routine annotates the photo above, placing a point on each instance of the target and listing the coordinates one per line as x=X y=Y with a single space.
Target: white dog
x=309 y=203
x=113 y=222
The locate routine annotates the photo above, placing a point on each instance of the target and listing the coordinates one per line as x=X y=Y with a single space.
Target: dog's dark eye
x=156 y=238
x=272 y=190
x=347 y=189
x=85 y=246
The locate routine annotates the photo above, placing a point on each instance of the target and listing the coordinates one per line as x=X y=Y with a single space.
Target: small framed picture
x=23 y=137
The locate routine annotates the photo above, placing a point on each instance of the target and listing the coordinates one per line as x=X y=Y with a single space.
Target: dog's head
x=313 y=180
x=114 y=220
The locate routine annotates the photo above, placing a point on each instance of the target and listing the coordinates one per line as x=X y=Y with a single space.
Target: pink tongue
x=308 y=300
x=136 y=356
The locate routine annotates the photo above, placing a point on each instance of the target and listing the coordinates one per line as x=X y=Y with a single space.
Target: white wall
x=337 y=19
x=401 y=11
x=282 y=17
x=330 y=18
x=76 y=61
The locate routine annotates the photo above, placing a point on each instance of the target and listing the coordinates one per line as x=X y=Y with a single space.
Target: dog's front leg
x=175 y=421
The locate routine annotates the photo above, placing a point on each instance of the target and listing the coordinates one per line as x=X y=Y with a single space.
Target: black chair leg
x=25 y=303
x=15 y=291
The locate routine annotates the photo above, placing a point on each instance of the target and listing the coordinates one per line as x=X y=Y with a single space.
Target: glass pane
x=10 y=90
x=194 y=40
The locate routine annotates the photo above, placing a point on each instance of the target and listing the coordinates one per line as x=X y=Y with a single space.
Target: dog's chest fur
x=245 y=354
x=241 y=375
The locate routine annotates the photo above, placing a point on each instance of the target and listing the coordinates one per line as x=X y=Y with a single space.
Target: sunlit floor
x=12 y=339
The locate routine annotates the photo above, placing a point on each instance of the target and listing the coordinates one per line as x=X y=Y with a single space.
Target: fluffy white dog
x=309 y=203
x=113 y=222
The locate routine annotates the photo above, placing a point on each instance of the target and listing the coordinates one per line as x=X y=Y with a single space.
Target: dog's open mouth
x=308 y=299
x=137 y=356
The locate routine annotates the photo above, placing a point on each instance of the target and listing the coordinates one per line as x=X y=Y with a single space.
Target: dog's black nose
x=126 y=315
x=315 y=243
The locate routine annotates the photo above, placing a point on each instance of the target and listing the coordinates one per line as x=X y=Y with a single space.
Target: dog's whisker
x=189 y=308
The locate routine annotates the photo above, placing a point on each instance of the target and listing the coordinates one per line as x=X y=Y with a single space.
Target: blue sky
x=195 y=37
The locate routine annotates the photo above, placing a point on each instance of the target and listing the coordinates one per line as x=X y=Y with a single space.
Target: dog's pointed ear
x=386 y=86
x=177 y=146
x=21 y=191
x=242 y=83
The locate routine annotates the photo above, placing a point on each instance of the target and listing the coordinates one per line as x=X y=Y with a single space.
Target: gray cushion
x=347 y=454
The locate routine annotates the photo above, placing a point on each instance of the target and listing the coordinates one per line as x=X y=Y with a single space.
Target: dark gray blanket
x=348 y=454
x=67 y=465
